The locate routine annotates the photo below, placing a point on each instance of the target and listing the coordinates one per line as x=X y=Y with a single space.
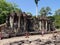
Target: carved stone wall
x=23 y=22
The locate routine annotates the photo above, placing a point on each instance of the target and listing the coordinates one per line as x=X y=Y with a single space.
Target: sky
x=29 y=5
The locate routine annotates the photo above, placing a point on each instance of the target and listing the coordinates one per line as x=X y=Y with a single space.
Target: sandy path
x=47 y=36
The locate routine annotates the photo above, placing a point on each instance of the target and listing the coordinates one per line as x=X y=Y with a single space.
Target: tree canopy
x=57 y=12
x=36 y=1
x=45 y=11
x=57 y=18
x=6 y=7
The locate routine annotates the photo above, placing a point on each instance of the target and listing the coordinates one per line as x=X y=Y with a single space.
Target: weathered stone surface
x=48 y=42
x=36 y=42
x=20 y=43
x=7 y=44
x=27 y=41
x=24 y=44
x=14 y=43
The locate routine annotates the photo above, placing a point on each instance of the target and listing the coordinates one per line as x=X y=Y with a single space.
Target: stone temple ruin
x=19 y=22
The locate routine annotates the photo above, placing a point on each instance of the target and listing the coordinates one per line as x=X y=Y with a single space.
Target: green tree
x=45 y=11
x=36 y=2
x=6 y=8
x=57 y=18
x=51 y=18
x=57 y=12
x=57 y=21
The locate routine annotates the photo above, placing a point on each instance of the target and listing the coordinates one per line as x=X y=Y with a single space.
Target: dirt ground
x=33 y=37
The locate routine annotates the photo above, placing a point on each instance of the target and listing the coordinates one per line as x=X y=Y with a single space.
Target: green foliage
x=57 y=18
x=6 y=8
x=52 y=18
x=57 y=21
x=57 y=12
x=45 y=11
x=36 y=1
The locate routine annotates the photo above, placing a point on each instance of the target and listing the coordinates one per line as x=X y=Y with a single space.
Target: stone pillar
x=49 y=27
x=46 y=25
x=43 y=30
x=11 y=22
x=25 y=28
x=0 y=35
x=40 y=25
x=19 y=20
x=24 y=24
x=0 y=32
